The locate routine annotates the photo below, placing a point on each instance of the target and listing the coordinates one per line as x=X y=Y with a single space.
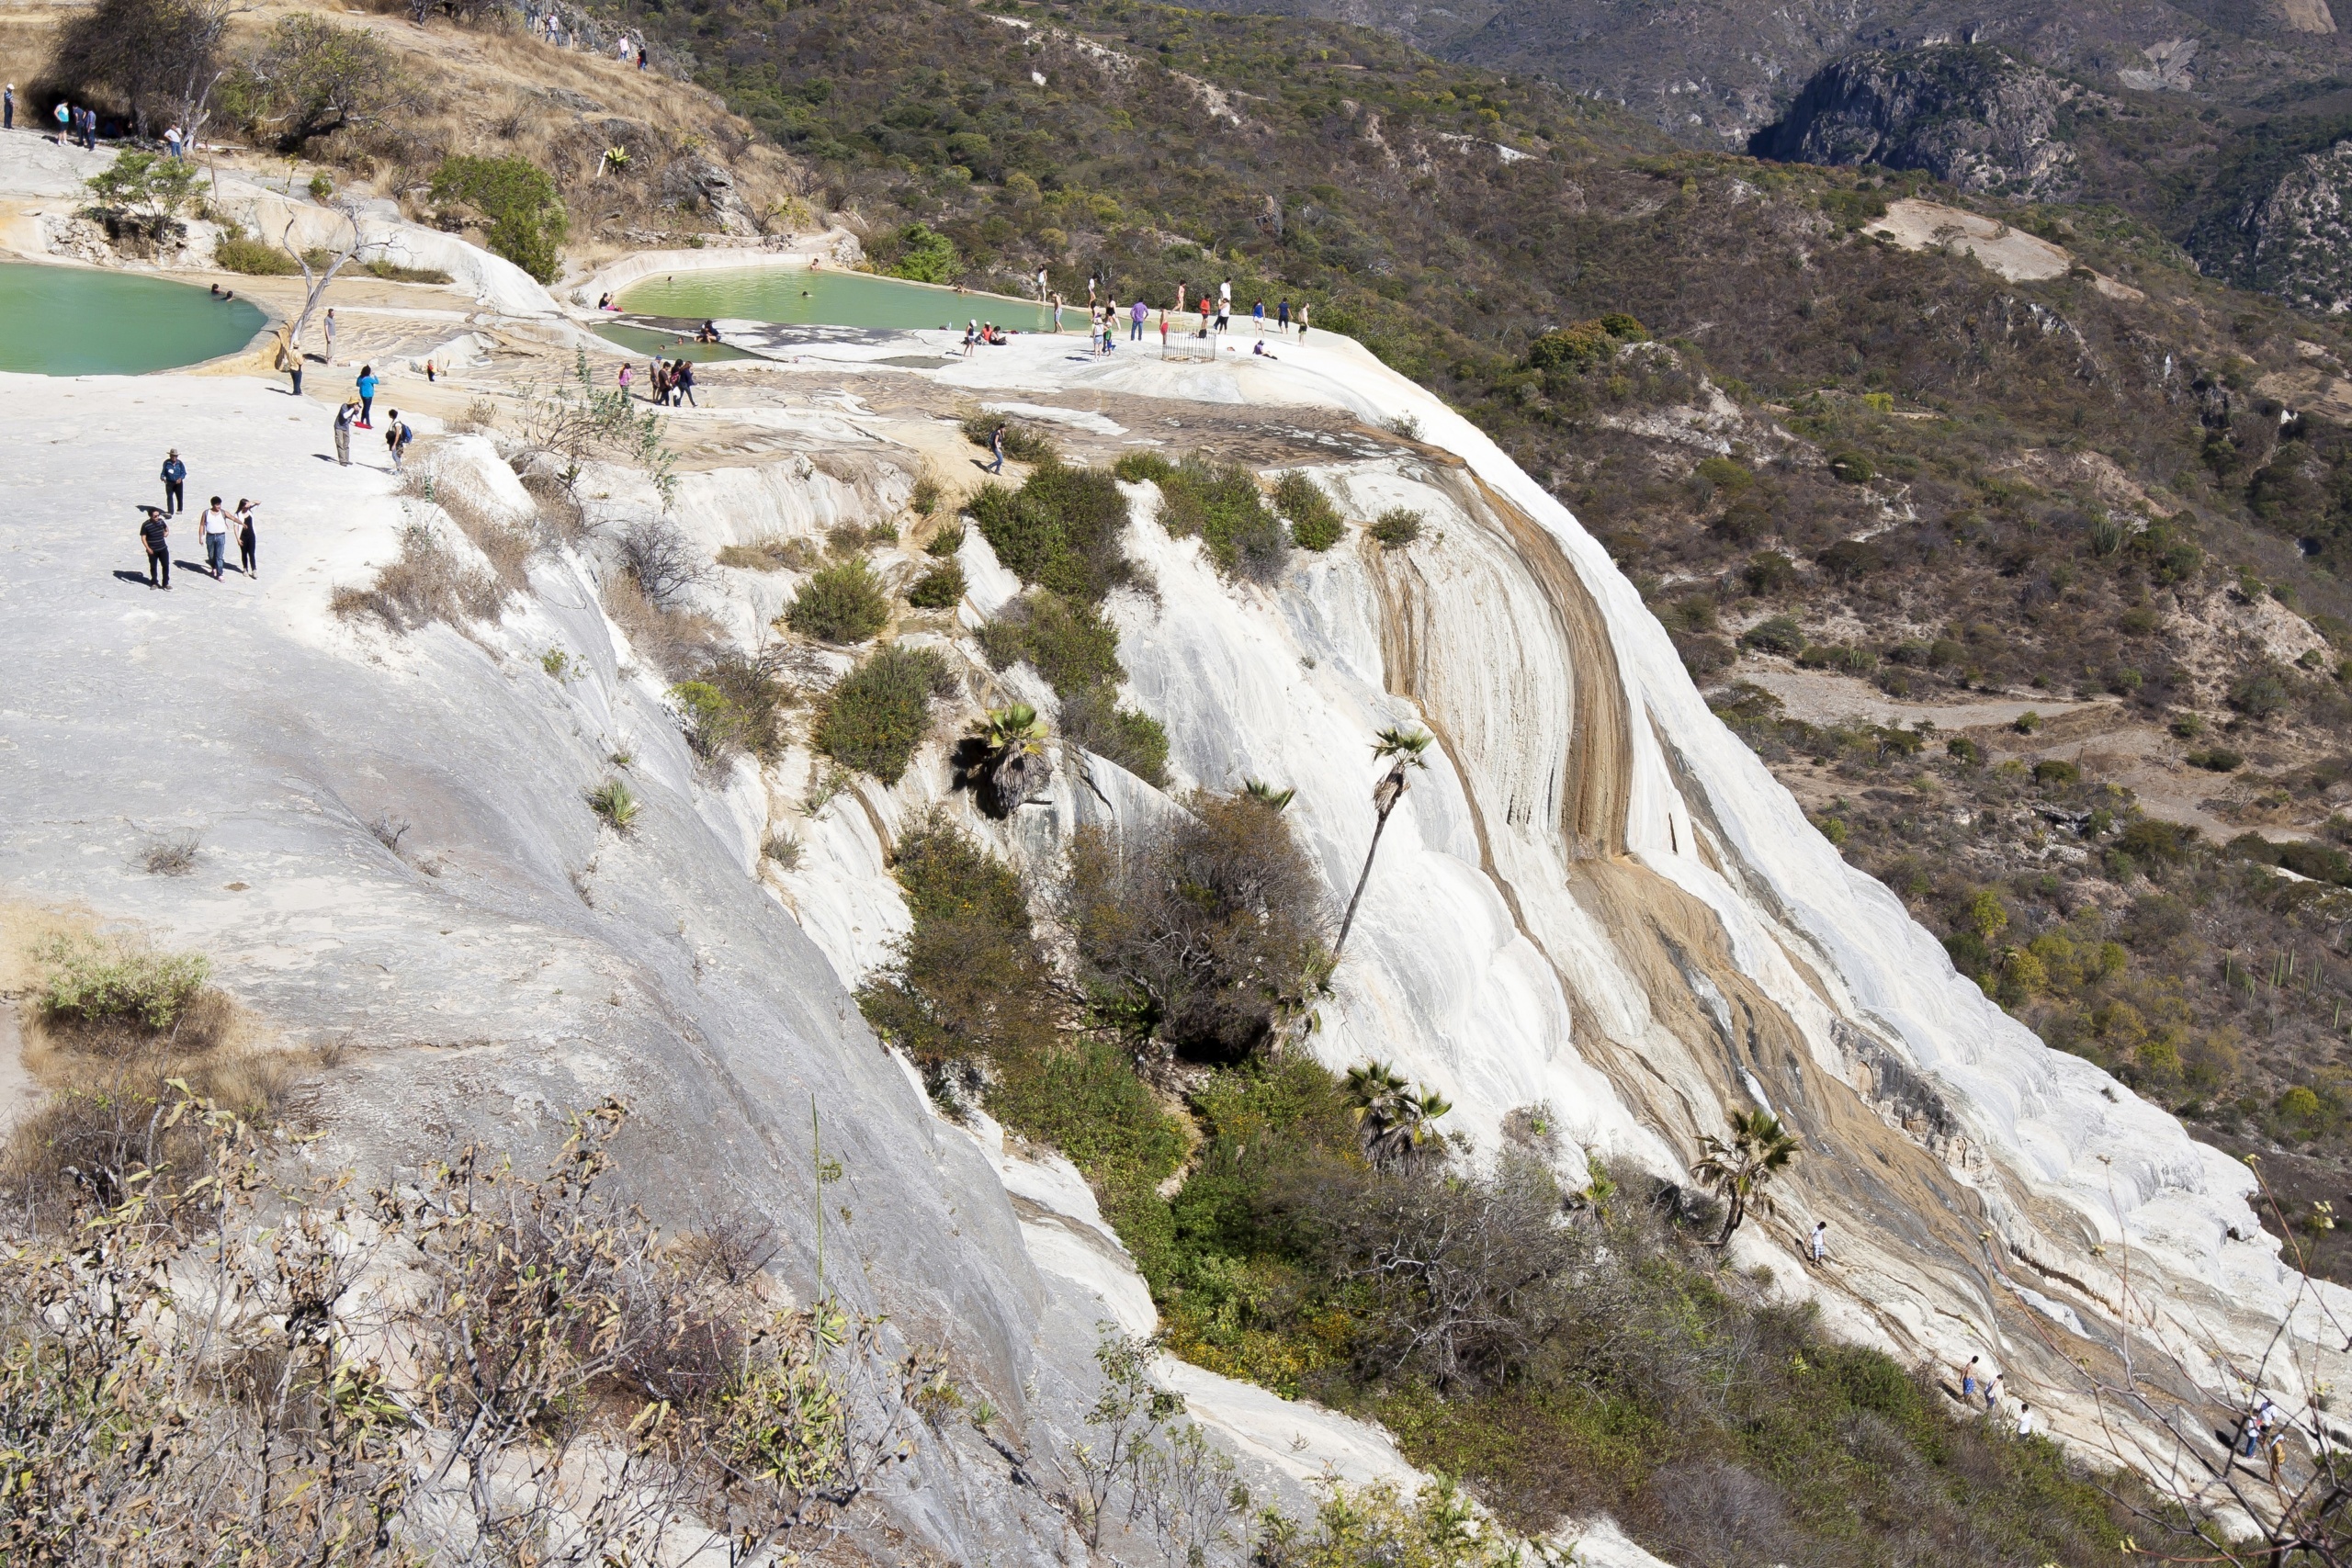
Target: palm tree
x=1007 y=757
x=1401 y=748
x=1393 y=1121
x=1738 y=1168
x=1267 y=794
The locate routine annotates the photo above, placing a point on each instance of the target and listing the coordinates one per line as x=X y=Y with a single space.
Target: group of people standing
x=669 y=383
x=1977 y=1383
x=214 y=528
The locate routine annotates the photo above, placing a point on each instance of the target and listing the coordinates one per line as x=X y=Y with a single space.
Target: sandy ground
x=2017 y=256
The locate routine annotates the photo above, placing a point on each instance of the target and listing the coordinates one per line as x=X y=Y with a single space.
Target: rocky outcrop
x=1969 y=115
x=2299 y=238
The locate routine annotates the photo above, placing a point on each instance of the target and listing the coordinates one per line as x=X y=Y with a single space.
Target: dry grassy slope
x=494 y=92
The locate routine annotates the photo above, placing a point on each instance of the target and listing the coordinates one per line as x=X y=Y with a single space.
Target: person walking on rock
x=9 y=108
x=290 y=360
x=330 y=330
x=1282 y=315
x=214 y=528
x=155 y=534
x=685 y=383
x=397 y=436
x=248 y=546
x=996 y=450
x=1968 y=1381
x=368 y=385
x=175 y=483
x=1819 y=1247
x=345 y=414
x=1992 y=1392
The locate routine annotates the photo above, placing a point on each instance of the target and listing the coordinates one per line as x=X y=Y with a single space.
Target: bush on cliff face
x=880 y=713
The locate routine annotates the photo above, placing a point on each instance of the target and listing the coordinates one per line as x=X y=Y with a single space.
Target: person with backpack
x=345 y=414
x=397 y=436
x=213 y=528
x=175 y=483
x=248 y=544
x=155 y=534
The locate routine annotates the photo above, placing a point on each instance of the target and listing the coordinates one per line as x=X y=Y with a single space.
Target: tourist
x=1224 y=298
x=1040 y=285
x=1057 y=313
x=2275 y=1448
x=1302 y=321
x=685 y=383
x=397 y=436
x=64 y=114
x=368 y=385
x=1820 y=1244
x=1968 y=1381
x=175 y=483
x=995 y=463
x=8 y=107
x=1282 y=316
x=1179 y=298
x=1089 y=298
x=1259 y=349
x=604 y=301
x=2025 y=1420
x=640 y=57
x=330 y=331
x=971 y=336
x=247 y=545
x=290 y=360
x=171 y=142
x=345 y=414
x=213 y=528
x=430 y=375
x=626 y=374
x=1992 y=1394
x=1258 y=318
x=1135 y=315
x=156 y=534
x=1163 y=334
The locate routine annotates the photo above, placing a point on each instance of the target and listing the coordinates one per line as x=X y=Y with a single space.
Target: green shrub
x=876 y=717
x=1022 y=444
x=90 y=979
x=1777 y=633
x=2027 y=722
x=1768 y=571
x=925 y=255
x=616 y=803
x=1070 y=644
x=2259 y=694
x=1724 y=475
x=1142 y=467
x=1396 y=527
x=732 y=706
x=2050 y=771
x=523 y=213
x=1221 y=504
x=234 y=252
x=1092 y=718
x=1060 y=530
x=923 y=499
x=947 y=541
x=839 y=604
x=2216 y=759
x=1851 y=468
x=942 y=588
x=1315 y=522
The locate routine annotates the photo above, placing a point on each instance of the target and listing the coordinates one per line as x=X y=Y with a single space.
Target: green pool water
x=71 y=320
x=825 y=298
x=669 y=345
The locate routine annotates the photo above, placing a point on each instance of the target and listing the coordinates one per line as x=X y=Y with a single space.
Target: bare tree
x=316 y=278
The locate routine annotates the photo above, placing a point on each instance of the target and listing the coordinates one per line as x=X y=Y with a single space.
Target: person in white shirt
x=214 y=526
x=1820 y=1244
x=2025 y=1420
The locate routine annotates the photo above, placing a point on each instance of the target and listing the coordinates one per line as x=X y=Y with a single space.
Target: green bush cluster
x=924 y=254
x=1022 y=444
x=1142 y=467
x=1584 y=345
x=878 y=714
x=839 y=604
x=941 y=588
x=235 y=251
x=1396 y=527
x=1315 y=522
x=88 y=979
x=1221 y=504
x=732 y=706
x=522 y=211
x=1062 y=530
x=1092 y=718
x=1066 y=642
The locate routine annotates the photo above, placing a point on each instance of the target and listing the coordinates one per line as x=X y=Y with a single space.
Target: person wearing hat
x=175 y=483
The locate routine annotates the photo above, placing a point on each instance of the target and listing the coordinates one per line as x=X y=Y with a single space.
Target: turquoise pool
x=72 y=320
x=796 y=296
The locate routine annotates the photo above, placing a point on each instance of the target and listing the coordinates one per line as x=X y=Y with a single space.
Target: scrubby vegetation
x=878 y=714
x=844 y=602
x=1060 y=530
x=733 y=706
x=515 y=201
x=941 y=588
x=427 y=581
x=1221 y=505
x=1315 y=522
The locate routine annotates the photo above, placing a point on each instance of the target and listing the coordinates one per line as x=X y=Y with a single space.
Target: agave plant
x=1006 y=757
x=1392 y=1120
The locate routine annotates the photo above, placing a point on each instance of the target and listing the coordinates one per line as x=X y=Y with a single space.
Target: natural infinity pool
x=72 y=320
x=798 y=296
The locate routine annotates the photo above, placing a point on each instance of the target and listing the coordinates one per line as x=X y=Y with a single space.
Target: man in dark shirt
x=156 y=535
x=174 y=482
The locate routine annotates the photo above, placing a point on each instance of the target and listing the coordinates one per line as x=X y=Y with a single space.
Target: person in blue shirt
x=367 y=396
x=175 y=483
x=1282 y=315
x=1258 y=318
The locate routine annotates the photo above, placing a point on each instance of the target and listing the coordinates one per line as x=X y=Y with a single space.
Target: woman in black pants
x=247 y=545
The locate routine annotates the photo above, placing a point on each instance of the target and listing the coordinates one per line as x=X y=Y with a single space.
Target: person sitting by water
x=603 y=302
